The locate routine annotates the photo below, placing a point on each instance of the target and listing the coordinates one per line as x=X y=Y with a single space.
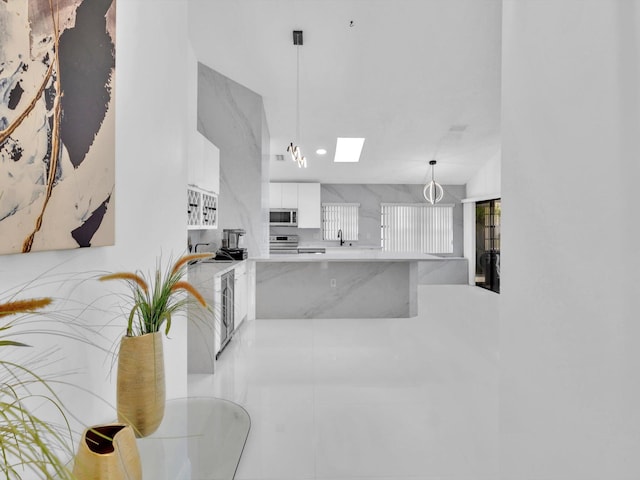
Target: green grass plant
x=155 y=298
x=29 y=445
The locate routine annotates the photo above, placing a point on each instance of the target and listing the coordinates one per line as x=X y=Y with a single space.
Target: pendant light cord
x=298 y=94
x=294 y=150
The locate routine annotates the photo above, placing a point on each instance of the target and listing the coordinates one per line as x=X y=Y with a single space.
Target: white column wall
x=569 y=328
x=149 y=204
x=486 y=182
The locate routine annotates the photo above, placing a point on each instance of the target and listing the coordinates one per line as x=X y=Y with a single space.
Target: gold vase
x=108 y=452
x=141 y=385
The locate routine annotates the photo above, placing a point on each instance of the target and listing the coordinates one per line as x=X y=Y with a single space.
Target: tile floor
x=382 y=399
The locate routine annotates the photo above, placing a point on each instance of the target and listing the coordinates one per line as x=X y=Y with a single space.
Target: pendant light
x=294 y=150
x=433 y=191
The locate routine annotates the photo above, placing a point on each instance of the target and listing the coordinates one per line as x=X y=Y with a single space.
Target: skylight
x=348 y=149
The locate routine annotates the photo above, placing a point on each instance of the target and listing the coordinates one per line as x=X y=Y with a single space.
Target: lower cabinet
x=203 y=338
x=241 y=294
x=206 y=330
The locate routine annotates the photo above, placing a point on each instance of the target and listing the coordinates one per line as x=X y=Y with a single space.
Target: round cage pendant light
x=433 y=191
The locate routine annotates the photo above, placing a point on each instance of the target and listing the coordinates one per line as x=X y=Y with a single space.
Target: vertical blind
x=340 y=216
x=417 y=227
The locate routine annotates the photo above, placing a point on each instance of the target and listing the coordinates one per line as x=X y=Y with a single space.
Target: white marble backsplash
x=370 y=196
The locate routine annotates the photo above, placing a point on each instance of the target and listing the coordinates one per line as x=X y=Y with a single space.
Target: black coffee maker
x=232 y=244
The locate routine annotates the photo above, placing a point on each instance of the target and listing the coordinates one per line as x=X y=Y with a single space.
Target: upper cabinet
x=203 y=163
x=289 y=195
x=283 y=195
x=202 y=209
x=203 y=175
x=303 y=196
x=275 y=195
x=309 y=205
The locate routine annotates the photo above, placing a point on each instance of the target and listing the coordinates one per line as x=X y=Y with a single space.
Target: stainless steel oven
x=283 y=244
x=283 y=217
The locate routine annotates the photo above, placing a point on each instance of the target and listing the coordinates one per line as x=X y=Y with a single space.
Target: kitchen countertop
x=346 y=254
x=213 y=267
x=353 y=254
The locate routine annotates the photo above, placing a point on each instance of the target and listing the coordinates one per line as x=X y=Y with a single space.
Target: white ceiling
x=419 y=79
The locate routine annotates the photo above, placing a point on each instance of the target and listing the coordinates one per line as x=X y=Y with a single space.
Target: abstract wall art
x=57 y=124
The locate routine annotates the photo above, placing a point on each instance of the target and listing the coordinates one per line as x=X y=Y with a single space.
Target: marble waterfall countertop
x=336 y=286
x=352 y=254
x=349 y=282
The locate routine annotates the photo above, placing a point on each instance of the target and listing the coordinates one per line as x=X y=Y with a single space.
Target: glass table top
x=200 y=438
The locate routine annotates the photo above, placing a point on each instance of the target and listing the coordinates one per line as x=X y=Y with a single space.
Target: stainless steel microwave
x=283 y=217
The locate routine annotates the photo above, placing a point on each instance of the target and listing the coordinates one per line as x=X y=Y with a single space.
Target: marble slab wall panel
x=266 y=176
x=372 y=195
x=203 y=329
x=452 y=271
x=362 y=290
x=232 y=117
x=413 y=290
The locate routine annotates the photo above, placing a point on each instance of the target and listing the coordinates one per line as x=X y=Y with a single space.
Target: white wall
x=486 y=182
x=149 y=203
x=569 y=327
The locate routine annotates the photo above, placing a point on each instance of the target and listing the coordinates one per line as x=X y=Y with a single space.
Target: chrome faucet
x=340 y=237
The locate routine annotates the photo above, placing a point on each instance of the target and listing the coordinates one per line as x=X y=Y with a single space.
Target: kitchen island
x=346 y=283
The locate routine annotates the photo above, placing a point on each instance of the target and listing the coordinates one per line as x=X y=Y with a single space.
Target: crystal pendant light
x=294 y=150
x=433 y=191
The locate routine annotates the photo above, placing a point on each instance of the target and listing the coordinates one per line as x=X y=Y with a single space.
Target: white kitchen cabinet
x=241 y=294
x=309 y=208
x=205 y=326
x=203 y=174
x=303 y=196
x=202 y=209
x=289 y=195
x=283 y=195
x=275 y=195
x=203 y=165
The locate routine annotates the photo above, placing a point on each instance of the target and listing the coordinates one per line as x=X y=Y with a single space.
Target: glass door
x=488 y=245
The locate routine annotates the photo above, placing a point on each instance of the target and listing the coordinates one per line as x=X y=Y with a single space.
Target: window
x=417 y=227
x=340 y=216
